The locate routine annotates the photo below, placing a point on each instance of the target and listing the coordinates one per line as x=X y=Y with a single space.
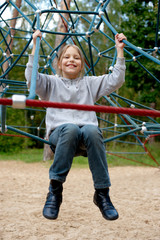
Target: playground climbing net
x=18 y=20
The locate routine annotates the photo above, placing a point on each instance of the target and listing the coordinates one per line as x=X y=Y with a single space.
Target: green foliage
x=9 y=143
x=13 y=143
x=22 y=120
x=139 y=19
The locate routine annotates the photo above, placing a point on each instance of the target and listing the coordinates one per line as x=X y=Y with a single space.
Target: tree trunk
x=152 y=105
x=62 y=24
x=47 y=153
x=62 y=27
x=10 y=41
x=12 y=32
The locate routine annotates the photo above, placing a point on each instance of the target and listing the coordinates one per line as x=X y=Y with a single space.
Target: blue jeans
x=67 y=138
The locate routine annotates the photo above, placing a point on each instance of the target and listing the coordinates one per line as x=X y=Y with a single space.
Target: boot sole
x=49 y=217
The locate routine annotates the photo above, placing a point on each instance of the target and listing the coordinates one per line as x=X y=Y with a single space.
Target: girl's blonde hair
x=61 y=54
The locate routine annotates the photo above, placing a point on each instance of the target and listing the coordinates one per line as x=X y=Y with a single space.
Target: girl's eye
x=76 y=57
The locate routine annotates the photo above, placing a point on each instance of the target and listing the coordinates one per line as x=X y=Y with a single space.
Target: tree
x=139 y=19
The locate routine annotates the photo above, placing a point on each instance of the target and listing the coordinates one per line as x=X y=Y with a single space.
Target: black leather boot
x=102 y=200
x=53 y=200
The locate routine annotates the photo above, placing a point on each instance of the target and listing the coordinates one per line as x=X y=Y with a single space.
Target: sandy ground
x=135 y=192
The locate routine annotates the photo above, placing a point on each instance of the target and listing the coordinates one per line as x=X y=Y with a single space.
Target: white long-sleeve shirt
x=85 y=90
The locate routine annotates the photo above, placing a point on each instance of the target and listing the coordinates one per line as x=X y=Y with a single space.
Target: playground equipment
x=44 y=17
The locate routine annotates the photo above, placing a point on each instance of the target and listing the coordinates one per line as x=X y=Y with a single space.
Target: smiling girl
x=72 y=131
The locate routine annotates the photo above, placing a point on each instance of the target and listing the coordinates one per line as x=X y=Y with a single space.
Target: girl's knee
x=71 y=130
x=91 y=131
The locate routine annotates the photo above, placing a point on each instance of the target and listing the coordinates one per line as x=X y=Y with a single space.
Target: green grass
x=36 y=155
x=26 y=155
x=135 y=158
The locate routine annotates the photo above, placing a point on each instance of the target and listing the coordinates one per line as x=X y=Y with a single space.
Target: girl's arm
x=43 y=83
x=119 y=44
x=108 y=83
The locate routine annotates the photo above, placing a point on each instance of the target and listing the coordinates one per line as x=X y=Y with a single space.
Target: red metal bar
x=107 y=109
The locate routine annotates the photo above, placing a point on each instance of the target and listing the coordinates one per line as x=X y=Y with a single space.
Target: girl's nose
x=71 y=59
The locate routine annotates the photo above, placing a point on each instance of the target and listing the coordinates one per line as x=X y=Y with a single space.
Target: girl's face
x=71 y=63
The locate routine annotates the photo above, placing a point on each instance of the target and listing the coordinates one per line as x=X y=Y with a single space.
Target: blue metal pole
x=122 y=134
x=130 y=44
x=32 y=93
x=28 y=135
